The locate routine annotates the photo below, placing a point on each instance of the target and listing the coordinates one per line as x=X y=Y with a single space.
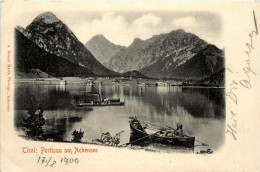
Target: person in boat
x=172 y=132
x=105 y=100
x=179 y=130
x=137 y=125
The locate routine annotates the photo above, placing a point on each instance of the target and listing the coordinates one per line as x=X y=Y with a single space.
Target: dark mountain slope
x=30 y=56
x=216 y=79
x=134 y=74
x=206 y=62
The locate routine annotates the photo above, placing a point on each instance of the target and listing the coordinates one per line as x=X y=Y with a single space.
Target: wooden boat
x=90 y=99
x=139 y=131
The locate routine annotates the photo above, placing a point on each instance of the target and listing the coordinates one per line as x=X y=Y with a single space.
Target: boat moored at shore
x=168 y=136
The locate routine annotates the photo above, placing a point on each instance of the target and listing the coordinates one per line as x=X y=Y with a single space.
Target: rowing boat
x=139 y=130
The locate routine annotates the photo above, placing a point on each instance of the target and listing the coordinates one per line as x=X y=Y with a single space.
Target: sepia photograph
x=152 y=81
x=130 y=86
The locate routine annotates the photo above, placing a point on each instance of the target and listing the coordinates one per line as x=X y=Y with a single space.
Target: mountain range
x=176 y=54
x=48 y=45
x=176 y=46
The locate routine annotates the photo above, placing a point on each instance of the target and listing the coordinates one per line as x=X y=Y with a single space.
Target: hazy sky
x=123 y=27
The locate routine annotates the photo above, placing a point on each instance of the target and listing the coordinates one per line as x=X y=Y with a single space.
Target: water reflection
x=200 y=110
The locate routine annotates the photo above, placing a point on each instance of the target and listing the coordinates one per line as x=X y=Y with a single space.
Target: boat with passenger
x=141 y=131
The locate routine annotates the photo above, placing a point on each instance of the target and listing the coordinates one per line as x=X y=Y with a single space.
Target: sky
x=122 y=27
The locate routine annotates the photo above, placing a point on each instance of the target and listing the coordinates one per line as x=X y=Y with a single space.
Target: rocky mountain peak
x=98 y=39
x=181 y=34
x=137 y=40
x=99 y=36
x=211 y=47
x=137 y=43
x=47 y=17
x=102 y=48
x=178 y=31
x=213 y=50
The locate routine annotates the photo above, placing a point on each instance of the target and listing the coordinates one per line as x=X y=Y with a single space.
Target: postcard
x=130 y=86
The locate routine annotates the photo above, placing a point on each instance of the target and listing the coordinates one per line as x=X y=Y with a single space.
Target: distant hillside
x=31 y=73
x=30 y=56
x=206 y=62
x=128 y=59
x=54 y=37
x=102 y=49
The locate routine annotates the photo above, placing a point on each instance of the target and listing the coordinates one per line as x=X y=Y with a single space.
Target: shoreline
x=112 y=81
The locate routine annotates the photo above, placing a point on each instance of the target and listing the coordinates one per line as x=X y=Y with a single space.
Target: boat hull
x=99 y=104
x=83 y=105
x=139 y=133
x=136 y=136
x=90 y=99
x=175 y=141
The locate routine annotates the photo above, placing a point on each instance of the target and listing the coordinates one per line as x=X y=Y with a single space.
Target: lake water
x=200 y=110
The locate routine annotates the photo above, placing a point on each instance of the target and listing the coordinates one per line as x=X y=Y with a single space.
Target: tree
x=34 y=119
x=77 y=136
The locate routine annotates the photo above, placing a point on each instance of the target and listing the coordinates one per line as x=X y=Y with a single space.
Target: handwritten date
x=48 y=161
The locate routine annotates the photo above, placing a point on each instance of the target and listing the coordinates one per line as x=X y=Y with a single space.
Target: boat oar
x=159 y=127
x=203 y=144
x=162 y=128
x=139 y=139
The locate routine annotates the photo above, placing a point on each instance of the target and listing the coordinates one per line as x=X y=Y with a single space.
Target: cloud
x=186 y=23
x=205 y=29
x=122 y=30
x=117 y=29
x=148 y=20
x=113 y=27
x=146 y=26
